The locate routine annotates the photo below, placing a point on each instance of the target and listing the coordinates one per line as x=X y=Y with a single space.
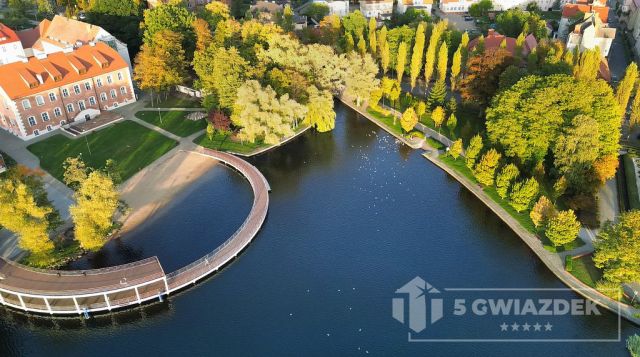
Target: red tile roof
x=22 y=79
x=7 y=35
x=571 y=10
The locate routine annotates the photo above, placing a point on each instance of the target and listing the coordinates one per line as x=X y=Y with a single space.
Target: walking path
x=77 y=292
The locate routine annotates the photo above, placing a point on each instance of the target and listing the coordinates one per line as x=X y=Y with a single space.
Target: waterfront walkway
x=77 y=292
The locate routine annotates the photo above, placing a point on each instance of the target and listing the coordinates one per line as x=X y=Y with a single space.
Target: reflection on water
x=353 y=216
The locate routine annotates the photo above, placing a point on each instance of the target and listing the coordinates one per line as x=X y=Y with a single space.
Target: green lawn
x=551 y=15
x=174 y=122
x=585 y=271
x=387 y=120
x=435 y=143
x=546 y=243
x=630 y=179
x=175 y=102
x=223 y=142
x=131 y=145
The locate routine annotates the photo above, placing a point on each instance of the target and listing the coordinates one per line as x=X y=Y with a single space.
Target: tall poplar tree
x=443 y=60
x=432 y=49
x=385 y=57
x=373 y=24
x=402 y=60
x=625 y=87
x=456 y=66
x=417 y=54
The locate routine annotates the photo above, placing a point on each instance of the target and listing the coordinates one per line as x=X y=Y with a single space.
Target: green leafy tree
x=481 y=8
x=172 y=17
x=417 y=54
x=75 y=171
x=633 y=345
x=576 y=152
x=421 y=108
x=452 y=122
x=443 y=58
x=523 y=193
x=634 y=118
x=409 y=119
x=505 y=179
x=203 y=34
x=381 y=37
x=112 y=171
x=437 y=94
x=623 y=92
x=473 y=150
x=362 y=46
x=221 y=71
x=617 y=249
x=286 y=20
x=354 y=23
x=563 y=228
x=527 y=118
x=483 y=71
x=384 y=57
x=317 y=11
x=485 y=170
x=210 y=131
x=349 y=42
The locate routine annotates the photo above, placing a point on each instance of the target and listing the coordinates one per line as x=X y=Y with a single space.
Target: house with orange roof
x=10 y=47
x=63 y=34
x=379 y=9
x=404 y=5
x=495 y=40
x=590 y=33
x=38 y=95
x=574 y=13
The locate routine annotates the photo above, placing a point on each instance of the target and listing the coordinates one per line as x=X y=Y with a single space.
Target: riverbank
x=155 y=186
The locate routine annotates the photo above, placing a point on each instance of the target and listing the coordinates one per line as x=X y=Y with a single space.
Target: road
x=618 y=57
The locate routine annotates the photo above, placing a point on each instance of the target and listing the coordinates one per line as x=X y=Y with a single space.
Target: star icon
x=548 y=327
x=503 y=327
x=537 y=327
x=525 y=327
x=515 y=327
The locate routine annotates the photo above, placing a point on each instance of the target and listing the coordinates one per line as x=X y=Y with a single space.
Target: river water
x=353 y=216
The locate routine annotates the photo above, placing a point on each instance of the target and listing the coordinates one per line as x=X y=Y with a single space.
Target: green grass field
x=131 y=145
x=174 y=122
x=585 y=271
x=223 y=142
x=174 y=102
x=387 y=120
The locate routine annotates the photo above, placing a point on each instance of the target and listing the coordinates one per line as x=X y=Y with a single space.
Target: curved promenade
x=85 y=291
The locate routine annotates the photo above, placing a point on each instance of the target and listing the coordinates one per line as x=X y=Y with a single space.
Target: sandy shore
x=152 y=188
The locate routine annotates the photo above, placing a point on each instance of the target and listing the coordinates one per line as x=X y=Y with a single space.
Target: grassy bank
x=225 y=142
x=585 y=271
x=174 y=102
x=174 y=122
x=630 y=179
x=131 y=145
x=387 y=120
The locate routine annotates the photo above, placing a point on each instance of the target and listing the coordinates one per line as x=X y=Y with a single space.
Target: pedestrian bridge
x=66 y=292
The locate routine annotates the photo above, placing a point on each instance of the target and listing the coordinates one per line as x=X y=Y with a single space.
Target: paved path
x=64 y=292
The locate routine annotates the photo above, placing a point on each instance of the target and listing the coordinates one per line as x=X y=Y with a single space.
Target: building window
x=69 y=108
x=119 y=76
x=36 y=132
x=87 y=85
x=123 y=90
x=103 y=97
x=76 y=89
x=65 y=92
x=49 y=128
x=45 y=116
x=92 y=100
x=81 y=105
x=99 y=82
x=113 y=94
x=32 y=121
x=39 y=100
x=26 y=104
x=63 y=122
x=52 y=97
x=109 y=79
x=57 y=112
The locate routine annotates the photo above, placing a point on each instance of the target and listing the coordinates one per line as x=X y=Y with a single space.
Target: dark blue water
x=353 y=217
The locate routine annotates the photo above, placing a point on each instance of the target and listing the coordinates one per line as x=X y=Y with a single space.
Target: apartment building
x=38 y=95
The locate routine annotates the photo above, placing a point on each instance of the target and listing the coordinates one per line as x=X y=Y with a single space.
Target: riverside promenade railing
x=85 y=291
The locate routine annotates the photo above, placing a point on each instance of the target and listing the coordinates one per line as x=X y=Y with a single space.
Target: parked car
x=468 y=18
